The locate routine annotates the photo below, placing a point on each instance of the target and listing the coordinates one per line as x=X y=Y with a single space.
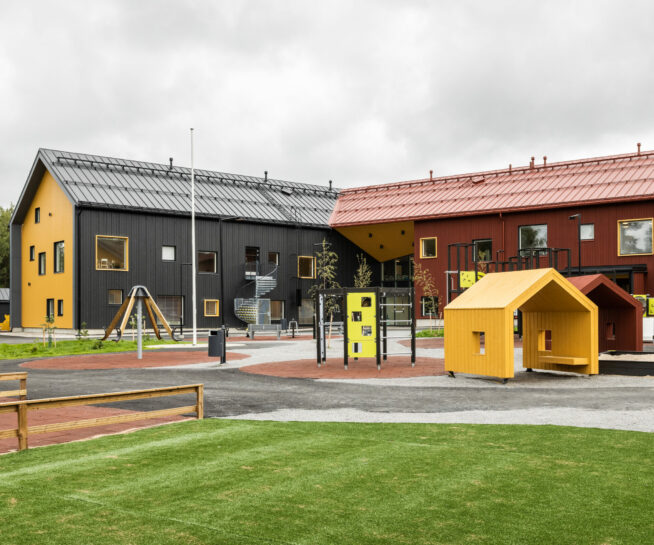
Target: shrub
x=97 y=344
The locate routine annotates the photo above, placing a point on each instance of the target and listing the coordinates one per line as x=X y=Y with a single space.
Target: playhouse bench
x=561 y=360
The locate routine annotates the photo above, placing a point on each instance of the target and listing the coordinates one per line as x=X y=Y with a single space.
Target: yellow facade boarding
x=362 y=325
x=55 y=224
x=383 y=241
x=559 y=325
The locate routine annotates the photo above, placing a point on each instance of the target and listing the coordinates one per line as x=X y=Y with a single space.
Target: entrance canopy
x=559 y=325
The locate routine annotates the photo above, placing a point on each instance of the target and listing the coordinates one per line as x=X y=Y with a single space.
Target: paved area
x=531 y=398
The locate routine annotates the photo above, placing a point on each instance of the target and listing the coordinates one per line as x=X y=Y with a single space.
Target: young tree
x=326 y=272
x=5 y=216
x=423 y=279
x=363 y=274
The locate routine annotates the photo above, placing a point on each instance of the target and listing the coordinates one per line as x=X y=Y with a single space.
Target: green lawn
x=233 y=482
x=66 y=348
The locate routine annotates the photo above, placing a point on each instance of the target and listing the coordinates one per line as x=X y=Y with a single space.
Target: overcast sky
x=360 y=92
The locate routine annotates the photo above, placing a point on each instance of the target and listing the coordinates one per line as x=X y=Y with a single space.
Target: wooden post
x=22 y=426
x=23 y=387
x=200 y=400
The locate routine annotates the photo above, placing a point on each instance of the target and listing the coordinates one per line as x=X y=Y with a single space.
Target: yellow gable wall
x=56 y=225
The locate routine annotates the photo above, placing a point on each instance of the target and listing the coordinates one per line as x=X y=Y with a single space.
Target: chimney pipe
x=171 y=163
x=510 y=168
x=531 y=163
x=431 y=175
x=330 y=185
x=265 y=175
x=638 y=148
x=544 y=160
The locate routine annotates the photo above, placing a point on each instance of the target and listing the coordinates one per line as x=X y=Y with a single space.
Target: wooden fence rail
x=22 y=378
x=21 y=408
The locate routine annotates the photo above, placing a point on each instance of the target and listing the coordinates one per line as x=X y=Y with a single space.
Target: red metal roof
x=608 y=294
x=586 y=181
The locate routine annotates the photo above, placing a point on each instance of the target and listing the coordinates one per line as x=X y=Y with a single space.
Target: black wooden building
x=101 y=225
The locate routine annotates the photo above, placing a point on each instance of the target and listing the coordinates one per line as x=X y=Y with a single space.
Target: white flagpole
x=193 y=253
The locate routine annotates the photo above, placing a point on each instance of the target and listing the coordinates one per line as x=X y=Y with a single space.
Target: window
x=587 y=231
x=59 y=257
x=32 y=250
x=42 y=263
x=172 y=307
x=305 y=312
x=428 y=306
x=49 y=308
x=276 y=310
x=532 y=236
x=115 y=297
x=428 y=247
x=37 y=215
x=111 y=253
x=207 y=262
x=211 y=307
x=306 y=266
x=635 y=237
x=251 y=260
x=168 y=253
x=483 y=250
x=273 y=258
x=60 y=307
x=480 y=342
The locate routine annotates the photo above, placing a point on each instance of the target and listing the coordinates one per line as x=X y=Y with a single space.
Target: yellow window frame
x=651 y=220
x=126 y=239
x=313 y=266
x=422 y=256
x=206 y=313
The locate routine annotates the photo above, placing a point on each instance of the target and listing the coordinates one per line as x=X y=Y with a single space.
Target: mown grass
x=37 y=349
x=232 y=482
x=430 y=333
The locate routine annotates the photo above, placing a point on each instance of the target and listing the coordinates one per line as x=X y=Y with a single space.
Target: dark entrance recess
x=251 y=260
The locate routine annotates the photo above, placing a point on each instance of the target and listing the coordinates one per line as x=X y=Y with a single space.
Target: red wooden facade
x=597 y=255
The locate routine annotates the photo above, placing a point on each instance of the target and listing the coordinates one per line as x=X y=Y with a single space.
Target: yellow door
x=361 y=325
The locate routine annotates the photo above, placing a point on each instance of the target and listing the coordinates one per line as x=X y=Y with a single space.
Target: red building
x=533 y=216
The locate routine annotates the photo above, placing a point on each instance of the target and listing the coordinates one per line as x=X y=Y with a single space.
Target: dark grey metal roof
x=121 y=183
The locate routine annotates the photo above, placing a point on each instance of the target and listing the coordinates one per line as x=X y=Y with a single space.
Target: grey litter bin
x=217 y=344
x=283 y=324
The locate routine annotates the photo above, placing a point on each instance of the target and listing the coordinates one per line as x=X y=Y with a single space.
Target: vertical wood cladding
x=561 y=233
x=15 y=276
x=147 y=233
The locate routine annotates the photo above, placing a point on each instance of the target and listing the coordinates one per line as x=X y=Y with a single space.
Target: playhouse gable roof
x=531 y=289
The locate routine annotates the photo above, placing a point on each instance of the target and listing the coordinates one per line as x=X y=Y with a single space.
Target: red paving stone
x=128 y=360
x=67 y=414
x=395 y=366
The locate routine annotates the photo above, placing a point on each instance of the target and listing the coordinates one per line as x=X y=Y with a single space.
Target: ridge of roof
x=496 y=172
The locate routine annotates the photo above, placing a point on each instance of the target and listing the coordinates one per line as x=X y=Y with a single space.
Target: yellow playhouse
x=559 y=325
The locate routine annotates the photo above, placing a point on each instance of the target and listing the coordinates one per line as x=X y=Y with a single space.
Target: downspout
x=77 y=253
x=503 y=239
x=222 y=273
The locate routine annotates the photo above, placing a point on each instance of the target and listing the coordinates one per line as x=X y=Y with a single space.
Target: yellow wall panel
x=56 y=224
x=362 y=324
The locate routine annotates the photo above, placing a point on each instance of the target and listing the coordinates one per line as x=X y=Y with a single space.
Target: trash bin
x=216 y=343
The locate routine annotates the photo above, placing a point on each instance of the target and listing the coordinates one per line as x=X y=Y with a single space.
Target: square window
x=59 y=257
x=428 y=306
x=306 y=266
x=273 y=258
x=366 y=302
x=211 y=307
x=115 y=297
x=587 y=231
x=635 y=237
x=168 y=253
x=60 y=307
x=111 y=253
x=206 y=262
x=37 y=215
x=172 y=308
x=532 y=236
x=366 y=330
x=428 y=247
x=32 y=253
x=356 y=316
x=41 y=263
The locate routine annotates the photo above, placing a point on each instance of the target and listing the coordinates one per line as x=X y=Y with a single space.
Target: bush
x=34 y=349
x=97 y=344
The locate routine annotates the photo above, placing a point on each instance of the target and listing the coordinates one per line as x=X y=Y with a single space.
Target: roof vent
x=171 y=163
x=510 y=168
x=544 y=160
x=330 y=185
x=638 y=145
x=431 y=175
x=265 y=175
x=531 y=163
x=287 y=190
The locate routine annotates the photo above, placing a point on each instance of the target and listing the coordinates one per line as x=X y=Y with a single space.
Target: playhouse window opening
x=366 y=302
x=545 y=340
x=610 y=331
x=480 y=342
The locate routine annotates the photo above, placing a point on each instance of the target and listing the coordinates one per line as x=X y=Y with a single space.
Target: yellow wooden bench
x=549 y=358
